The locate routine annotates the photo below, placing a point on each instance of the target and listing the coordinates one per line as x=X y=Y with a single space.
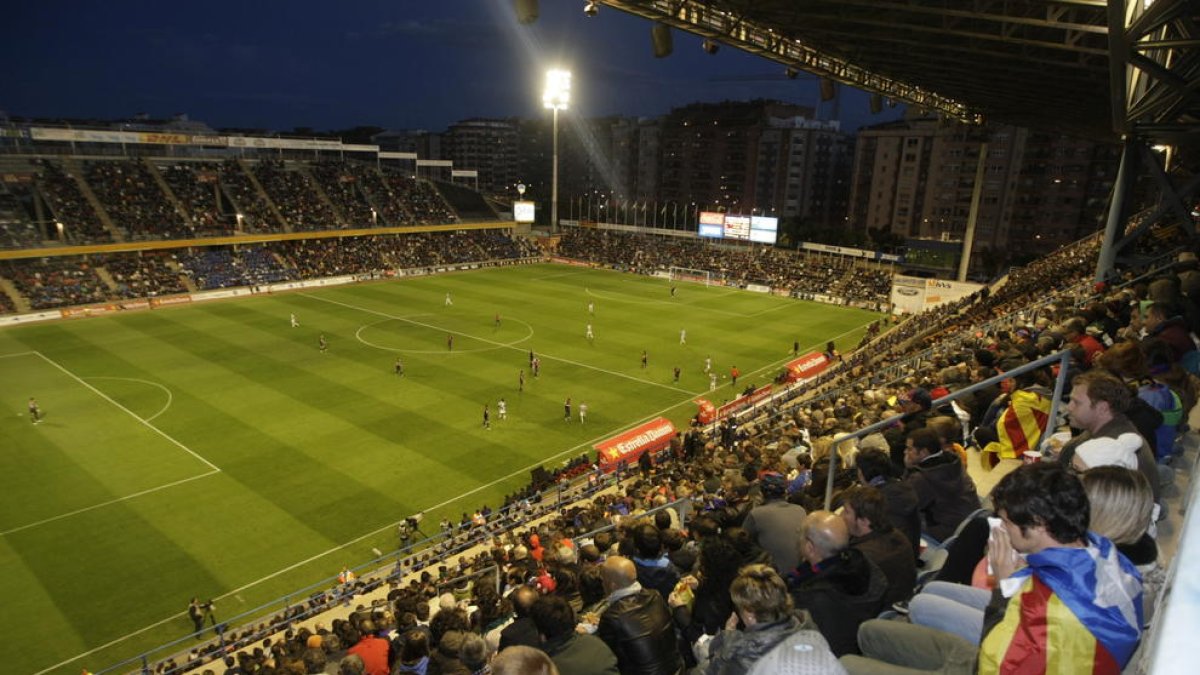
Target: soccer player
x=537 y=366
x=520 y=380
x=591 y=308
x=645 y=359
x=590 y=336
x=322 y=344
x=502 y=409
x=567 y=410
x=795 y=348
x=676 y=374
x=683 y=336
x=497 y=323
x=399 y=367
x=672 y=291
x=487 y=417
x=35 y=413
x=582 y=412
x=295 y=323
x=449 y=342
x=708 y=364
x=449 y=300
x=712 y=380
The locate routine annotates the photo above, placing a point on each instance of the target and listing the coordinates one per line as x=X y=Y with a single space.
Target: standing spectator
x=777 y=524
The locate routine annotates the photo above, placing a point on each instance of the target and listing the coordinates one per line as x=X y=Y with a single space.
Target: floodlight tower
x=556 y=96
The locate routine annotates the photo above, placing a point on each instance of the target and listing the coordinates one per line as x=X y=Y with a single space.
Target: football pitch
x=213 y=450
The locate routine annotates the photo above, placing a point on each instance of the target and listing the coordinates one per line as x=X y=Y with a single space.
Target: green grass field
x=213 y=450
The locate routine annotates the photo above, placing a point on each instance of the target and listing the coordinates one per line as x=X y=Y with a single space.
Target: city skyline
x=392 y=65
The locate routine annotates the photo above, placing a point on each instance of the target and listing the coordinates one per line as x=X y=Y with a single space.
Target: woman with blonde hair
x=764 y=609
x=1121 y=508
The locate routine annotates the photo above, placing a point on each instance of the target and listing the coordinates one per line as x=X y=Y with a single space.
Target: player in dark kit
x=645 y=358
x=322 y=344
x=487 y=417
x=567 y=410
x=399 y=367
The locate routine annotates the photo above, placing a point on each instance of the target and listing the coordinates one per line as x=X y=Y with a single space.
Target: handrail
x=1063 y=357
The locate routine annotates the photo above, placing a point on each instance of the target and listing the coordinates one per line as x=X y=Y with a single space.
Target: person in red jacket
x=372 y=649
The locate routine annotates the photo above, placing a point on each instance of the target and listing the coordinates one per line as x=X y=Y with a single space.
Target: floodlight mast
x=556 y=96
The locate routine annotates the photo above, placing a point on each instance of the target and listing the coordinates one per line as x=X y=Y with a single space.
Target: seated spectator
x=764 y=609
x=837 y=584
x=637 y=624
x=871 y=532
x=711 y=603
x=1121 y=507
x=522 y=660
x=1076 y=600
x=946 y=495
x=1020 y=418
x=875 y=469
x=522 y=631
x=1097 y=406
x=573 y=653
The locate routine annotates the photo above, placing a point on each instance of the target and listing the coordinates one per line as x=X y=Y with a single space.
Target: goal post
x=693 y=275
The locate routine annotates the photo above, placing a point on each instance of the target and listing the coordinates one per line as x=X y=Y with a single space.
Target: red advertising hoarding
x=652 y=436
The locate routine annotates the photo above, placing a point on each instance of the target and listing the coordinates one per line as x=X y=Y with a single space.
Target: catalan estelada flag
x=1076 y=611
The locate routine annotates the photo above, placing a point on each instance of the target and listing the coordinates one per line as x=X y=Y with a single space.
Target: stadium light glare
x=556 y=96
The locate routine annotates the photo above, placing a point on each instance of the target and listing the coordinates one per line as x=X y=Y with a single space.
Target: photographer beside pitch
x=198 y=612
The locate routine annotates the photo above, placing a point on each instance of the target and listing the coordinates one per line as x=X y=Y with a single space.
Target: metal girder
x=1155 y=69
x=1039 y=63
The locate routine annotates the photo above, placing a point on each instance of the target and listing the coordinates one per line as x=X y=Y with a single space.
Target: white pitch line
x=132 y=414
x=390 y=526
x=8 y=356
x=170 y=396
x=499 y=344
x=108 y=503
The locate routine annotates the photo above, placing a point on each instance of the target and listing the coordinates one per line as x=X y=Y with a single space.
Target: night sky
x=330 y=65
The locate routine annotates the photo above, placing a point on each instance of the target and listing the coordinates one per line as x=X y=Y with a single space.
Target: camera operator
x=198 y=612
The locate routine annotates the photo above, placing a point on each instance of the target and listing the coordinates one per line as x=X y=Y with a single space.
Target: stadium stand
x=257 y=215
x=133 y=200
x=801 y=273
x=341 y=185
x=303 y=206
x=68 y=205
x=197 y=190
x=468 y=204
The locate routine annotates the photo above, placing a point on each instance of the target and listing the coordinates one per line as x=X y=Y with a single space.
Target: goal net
x=695 y=276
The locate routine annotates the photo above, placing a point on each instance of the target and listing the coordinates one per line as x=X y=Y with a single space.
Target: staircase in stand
x=72 y=167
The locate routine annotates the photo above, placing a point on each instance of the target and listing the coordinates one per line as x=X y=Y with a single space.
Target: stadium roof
x=1051 y=64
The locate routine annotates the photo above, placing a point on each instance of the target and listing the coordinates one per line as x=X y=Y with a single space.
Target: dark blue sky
x=393 y=63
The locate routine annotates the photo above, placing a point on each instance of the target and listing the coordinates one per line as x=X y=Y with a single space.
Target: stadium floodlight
x=556 y=96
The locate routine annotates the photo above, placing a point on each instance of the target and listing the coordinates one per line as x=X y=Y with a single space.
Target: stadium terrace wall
x=164 y=244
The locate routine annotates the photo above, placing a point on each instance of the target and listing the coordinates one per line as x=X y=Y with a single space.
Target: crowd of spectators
x=296 y=196
x=254 y=210
x=197 y=191
x=48 y=283
x=143 y=275
x=224 y=267
x=16 y=229
x=801 y=273
x=133 y=200
x=341 y=186
x=81 y=224
x=423 y=202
